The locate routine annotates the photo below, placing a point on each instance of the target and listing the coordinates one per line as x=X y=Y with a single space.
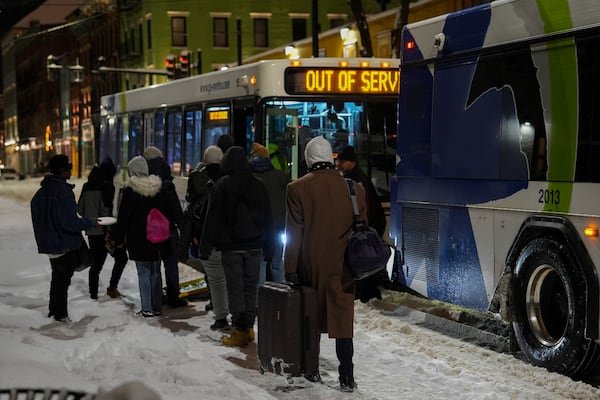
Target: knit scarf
x=321 y=165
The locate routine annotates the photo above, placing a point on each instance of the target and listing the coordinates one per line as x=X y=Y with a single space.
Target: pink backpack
x=157 y=227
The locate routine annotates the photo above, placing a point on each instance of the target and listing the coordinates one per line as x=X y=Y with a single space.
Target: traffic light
x=170 y=64
x=184 y=62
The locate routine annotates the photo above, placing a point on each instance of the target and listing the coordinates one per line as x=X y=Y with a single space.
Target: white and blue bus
x=495 y=202
x=279 y=103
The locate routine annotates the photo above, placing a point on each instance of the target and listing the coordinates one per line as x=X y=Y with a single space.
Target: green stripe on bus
x=562 y=62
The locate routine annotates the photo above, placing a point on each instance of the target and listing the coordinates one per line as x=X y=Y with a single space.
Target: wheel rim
x=547 y=305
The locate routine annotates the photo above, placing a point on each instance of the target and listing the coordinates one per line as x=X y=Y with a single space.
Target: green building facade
x=153 y=30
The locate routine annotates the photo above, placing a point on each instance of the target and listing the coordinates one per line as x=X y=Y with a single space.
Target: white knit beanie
x=212 y=155
x=318 y=150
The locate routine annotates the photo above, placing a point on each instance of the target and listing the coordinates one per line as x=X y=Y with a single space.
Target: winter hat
x=59 y=164
x=108 y=167
x=225 y=142
x=138 y=166
x=212 y=155
x=348 y=154
x=160 y=167
x=151 y=152
x=318 y=150
x=258 y=150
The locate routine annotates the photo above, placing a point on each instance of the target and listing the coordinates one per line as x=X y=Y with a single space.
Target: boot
x=347 y=384
x=251 y=335
x=237 y=338
x=113 y=293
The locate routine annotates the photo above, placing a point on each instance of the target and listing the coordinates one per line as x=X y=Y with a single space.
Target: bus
x=495 y=201
x=281 y=104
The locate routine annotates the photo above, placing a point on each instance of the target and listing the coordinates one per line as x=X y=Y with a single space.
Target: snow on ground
x=177 y=355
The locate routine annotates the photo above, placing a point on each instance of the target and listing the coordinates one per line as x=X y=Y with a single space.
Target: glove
x=292 y=277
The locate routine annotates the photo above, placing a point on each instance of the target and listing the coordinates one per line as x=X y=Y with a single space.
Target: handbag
x=84 y=256
x=366 y=252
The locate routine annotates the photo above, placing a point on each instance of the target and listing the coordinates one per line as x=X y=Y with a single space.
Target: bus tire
x=549 y=310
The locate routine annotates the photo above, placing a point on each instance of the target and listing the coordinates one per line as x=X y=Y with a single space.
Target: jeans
x=150 y=285
x=277 y=269
x=213 y=268
x=241 y=274
x=63 y=268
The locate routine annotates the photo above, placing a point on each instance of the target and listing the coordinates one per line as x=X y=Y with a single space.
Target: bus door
x=192 y=131
x=281 y=139
x=243 y=123
x=173 y=129
x=217 y=124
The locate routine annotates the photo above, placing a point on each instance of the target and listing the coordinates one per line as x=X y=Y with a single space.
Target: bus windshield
x=368 y=126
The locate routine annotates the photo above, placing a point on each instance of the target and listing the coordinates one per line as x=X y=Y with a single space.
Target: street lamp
x=76 y=73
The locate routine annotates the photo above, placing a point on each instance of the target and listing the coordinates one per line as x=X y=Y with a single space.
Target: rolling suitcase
x=288 y=330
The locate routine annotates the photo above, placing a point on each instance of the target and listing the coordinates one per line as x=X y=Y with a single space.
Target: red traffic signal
x=184 y=62
x=170 y=65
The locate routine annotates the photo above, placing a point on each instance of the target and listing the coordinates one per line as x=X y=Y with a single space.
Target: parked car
x=8 y=173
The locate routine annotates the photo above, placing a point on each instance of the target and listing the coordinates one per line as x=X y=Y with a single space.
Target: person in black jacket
x=57 y=229
x=91 y=205
x=158 y=166
x=239 y=224
x=347 y=163
x=119 y=254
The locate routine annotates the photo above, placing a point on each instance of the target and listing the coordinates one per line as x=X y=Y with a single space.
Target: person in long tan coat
x=318 y=221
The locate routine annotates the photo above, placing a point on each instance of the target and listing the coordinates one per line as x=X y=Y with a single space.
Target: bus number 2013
x=549 y=196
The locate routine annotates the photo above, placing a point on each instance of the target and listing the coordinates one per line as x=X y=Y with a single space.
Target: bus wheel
x=549 y=309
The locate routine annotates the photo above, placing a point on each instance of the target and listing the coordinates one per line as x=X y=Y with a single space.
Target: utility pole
x=363 y=27
x=315 y=28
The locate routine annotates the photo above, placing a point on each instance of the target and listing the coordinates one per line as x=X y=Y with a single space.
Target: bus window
x=136 y=137
x=217 y=124
x=158 y=138
x=148 y=126
x=173 y=129
x=280 y=138
x=193 y=135
x=379 y=157
x=123 y=133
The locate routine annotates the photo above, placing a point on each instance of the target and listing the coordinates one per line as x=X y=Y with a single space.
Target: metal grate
x=420 y=239
x=44 y=394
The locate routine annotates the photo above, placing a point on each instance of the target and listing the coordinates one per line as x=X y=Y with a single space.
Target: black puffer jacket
x=239 y=216
x=140 y=195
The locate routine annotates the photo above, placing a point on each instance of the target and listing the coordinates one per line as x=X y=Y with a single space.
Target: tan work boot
x=251 y=335
x=237 y=338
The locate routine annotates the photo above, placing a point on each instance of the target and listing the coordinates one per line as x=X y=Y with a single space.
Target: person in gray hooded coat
x=141 y=194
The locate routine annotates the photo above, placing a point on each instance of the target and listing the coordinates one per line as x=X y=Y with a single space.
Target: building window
x=149 y=28
x=220 y=36
x=178 y=31
x=298 y=28
x=261 y=32
x=141 y=37
x=335 y=22
x=132 y=38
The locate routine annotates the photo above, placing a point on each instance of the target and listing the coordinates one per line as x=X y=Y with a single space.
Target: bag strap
x=353 y=199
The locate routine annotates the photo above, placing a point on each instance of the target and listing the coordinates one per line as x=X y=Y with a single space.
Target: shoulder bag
x=366 y=252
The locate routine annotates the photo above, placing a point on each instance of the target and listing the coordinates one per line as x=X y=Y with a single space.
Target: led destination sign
x=342 y=80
